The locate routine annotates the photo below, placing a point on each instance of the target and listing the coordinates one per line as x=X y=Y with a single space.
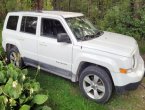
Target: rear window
x=29 y=24
x=12 y=22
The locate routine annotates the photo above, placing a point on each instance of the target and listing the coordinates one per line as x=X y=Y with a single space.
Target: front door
x=53 y=55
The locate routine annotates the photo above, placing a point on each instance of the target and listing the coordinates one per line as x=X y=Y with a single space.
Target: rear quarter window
x=28 y=24
x=12 y=22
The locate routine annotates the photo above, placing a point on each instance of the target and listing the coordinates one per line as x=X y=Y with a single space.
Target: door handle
x=21 y=39
x=43 y=44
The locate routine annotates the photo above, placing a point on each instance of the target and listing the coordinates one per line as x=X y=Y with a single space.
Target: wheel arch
x=84 y=64
x=10 y=45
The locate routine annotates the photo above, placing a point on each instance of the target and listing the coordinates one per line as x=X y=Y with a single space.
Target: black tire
x=104 y=79
x=19 y=59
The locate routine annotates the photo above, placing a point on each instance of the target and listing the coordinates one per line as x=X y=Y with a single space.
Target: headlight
x=124 y=70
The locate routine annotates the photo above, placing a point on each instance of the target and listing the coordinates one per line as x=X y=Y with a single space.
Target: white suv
x=68 y=45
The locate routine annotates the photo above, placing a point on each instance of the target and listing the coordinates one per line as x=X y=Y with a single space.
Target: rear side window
x=29 y=24
x=12 y=22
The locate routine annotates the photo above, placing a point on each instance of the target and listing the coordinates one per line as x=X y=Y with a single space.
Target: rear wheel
x=96 y=84
x=14 y=57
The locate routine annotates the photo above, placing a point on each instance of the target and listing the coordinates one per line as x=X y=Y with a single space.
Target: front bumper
x=131 y=86
x=129 y=81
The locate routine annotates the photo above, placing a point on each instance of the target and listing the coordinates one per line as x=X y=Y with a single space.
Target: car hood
x=113 y=43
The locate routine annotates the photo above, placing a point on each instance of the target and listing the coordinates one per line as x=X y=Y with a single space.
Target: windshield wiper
x=99 y=33
x=82 y=38
x=88 y=37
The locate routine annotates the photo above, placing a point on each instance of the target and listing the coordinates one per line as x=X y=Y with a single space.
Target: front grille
x=133 y=61
x=135 y=58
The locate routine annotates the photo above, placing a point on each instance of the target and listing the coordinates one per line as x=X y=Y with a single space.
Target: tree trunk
x=134 y=6
x=54 y=4
x=37 y=4
x=69 y=5
x=4 y=2
x=89 y=6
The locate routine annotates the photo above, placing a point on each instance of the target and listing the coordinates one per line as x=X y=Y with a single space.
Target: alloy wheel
x=15 y=58
x=94 y=86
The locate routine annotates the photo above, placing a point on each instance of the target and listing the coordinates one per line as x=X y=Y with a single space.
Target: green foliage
x=122 y=19
x=2 y=55
x=17 y=91
x=47 y=5
x=25 y=107
x=112 y=15
x=39 y=99
x=121 y=16
x=20 y=5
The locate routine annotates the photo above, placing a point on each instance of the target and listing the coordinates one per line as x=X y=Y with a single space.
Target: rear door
x=28 y=38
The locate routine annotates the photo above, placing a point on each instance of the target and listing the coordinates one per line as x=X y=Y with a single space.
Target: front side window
x=29 y=24
x=82 y=28
x=51 y=28
x=12 y=22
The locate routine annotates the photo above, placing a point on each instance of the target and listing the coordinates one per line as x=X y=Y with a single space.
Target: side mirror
x=63 y=37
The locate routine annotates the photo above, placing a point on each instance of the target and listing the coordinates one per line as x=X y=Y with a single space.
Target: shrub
x=120 y=18
x=19 y=92
x=2 y=54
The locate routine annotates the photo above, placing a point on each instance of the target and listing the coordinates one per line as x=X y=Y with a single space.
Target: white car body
x=111 y=51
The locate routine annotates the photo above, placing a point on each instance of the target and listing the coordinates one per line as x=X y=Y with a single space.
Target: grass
x=65 y=95
x=0 y=34
x=141 y=45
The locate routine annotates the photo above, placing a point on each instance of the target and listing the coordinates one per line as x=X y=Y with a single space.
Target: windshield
x=82 y=28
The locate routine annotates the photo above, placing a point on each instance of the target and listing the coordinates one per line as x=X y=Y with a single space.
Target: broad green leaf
x=7 y=87
x=16 y=92
x=21 y=100
x=35 y=86
x=43 y=108
x=40 y=99
x=25 y=107
x=2 y=77
x=25 y=71
x=1 y=90
x=27 y=85
x=2 y=106
x=3 y=102
x=24 y=99
x=15 y=75
x=46 y=108
x=1 y=65
x=28 y=99
x=12 y=102
x=13 y=92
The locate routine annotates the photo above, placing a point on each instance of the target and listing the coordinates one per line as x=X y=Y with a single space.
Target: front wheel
x=96 y=84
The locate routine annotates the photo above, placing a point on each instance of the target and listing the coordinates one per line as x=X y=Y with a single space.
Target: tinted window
x=51 y=27
x=12 y=22
x=29 y=24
